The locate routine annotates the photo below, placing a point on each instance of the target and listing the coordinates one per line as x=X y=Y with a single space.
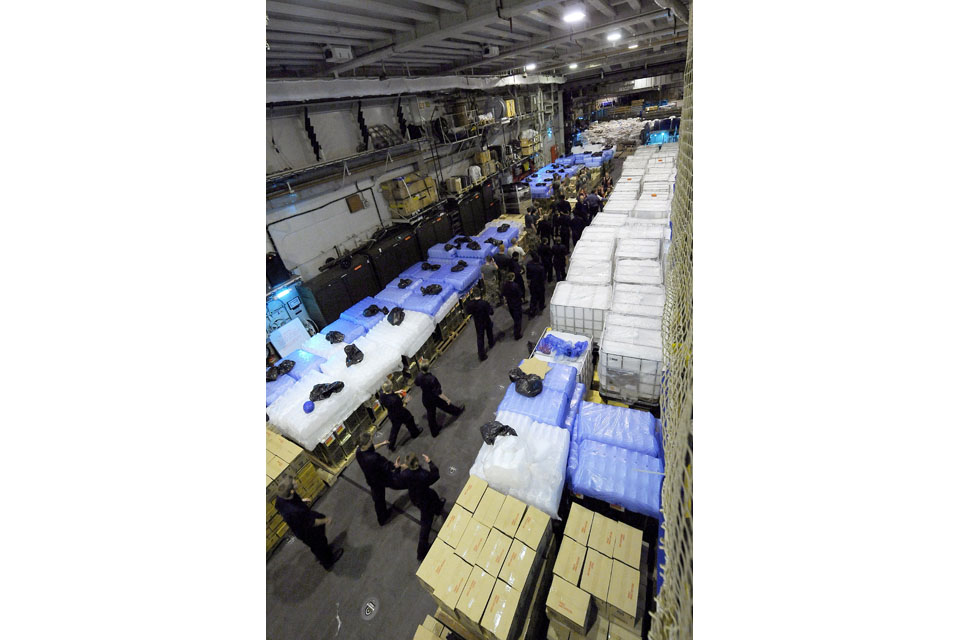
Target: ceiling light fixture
x=573 y=65
x=633 y=46
x=531 y=66
x=574 y=15
x=613 y=37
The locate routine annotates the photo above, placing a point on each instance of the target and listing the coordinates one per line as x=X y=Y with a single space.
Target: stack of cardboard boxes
x=485 y=161
x=285 y=459
x=431 y=629
x=482 y=569
x=409 y=194
x=511 y=110
x=598 y=582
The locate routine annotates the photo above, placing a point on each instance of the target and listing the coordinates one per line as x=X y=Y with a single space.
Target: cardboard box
x=471 y=493
x=628 y=547
x=489 y=168
x=570 y=560
x=597 y=632
x=578 y=524
x=450 y=586
x=511 y=109
x=433 y=565
x=494 y=552
x=519 y=567
x=423 y=633
x=618 y=632
x=482 y=156
x=489 y=507
x=500 y=620
x=569 y=605
x=603 y=534
x=433 y=626
x=511 y=513
x=557 y=632
x=454 y=525
x=534 y=530
x=474 y=599
x=472 y=541
x=596 y=577
x=624 y=594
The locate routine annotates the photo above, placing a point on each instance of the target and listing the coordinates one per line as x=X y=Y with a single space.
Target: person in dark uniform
x=537 y=278
x=399 y=415
x=511 y=291
x=434 y=399
x=593 y=204
x=380 y=474
x=546 y=258
x=482 y=314
x=517 y=272
x=563 y=228
x=417 y=480
x=577 y=225
x=503 y=264
x=560 y=261
x=530 y=220
x=307 y=525
x=563 y=206
x=581 y=210
x=545 y=227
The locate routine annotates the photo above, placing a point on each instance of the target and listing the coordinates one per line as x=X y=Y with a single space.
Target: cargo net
x=673 y=617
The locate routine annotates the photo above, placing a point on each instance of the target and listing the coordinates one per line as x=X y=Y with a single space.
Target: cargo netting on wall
x=673 y=617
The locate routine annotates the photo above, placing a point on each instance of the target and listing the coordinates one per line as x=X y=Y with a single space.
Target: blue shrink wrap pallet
x=573 y=410
x=618 y=476
x=429 y=305
x=350 y=329
x=438 y=251
x=276 y=388
x=548 y=407
x=413 y=286
x=393 y=297
x=304 y=361
x=561 y=377
x=355 y=314
x=610 y=430
x=627 y=419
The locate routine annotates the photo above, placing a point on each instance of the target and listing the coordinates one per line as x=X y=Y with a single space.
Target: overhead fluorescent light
x=633 y=46
x=573 y=65
x=613 y=37
x=574 y=15
x=531 y=66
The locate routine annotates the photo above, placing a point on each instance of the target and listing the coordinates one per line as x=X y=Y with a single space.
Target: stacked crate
x=599 y=580
x=287 y=460
x=483 y=569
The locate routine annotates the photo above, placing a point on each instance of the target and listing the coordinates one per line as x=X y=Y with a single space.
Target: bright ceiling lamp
x=531 y=66
x=574 y=14
x=613 y=37
x=573 y=65
x=633 y=46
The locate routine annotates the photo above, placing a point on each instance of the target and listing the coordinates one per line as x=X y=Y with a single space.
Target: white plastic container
x=638 y=272
x=638 y=300
x=579 y=308
x=631 y=359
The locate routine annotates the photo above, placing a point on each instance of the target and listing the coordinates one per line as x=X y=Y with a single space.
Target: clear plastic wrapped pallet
x=309 y=429
x=637 y=249
x=630 y=271
x=587 y=271
x=408 y=336
x=580 y=309
x=638 y=300
x=630 y=362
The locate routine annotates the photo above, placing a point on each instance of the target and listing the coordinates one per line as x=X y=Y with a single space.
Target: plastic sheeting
x=379 y=360
x=638 y=272
x=392 y=297
x=408 y=337
x=580 y=308
x=573 y=410
x=438 y=251
x=462 y=280
x=309 y=429
x=278 y=387
x=594 y=250
x=350 y=330
x=638 y=249
x=414 y=285
x=530 y=466
x=548 y=407
x=627 y=428
x=485 y=249
x=609 y=219
x=562 y=378
x=448 y=304
x=355 y=314
x=584 y=270
x=428 y=304
x=618 y=476
x=304 y=362
x=638 y=300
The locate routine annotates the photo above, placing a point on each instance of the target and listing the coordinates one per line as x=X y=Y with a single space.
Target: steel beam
x=602 y=7
x=310 y=28
x=296 y=11
x=385 y=9
x=446 y=5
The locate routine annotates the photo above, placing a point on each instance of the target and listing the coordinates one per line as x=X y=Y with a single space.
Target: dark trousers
x=432 y=414
x=427 y=513
x=576 y=237
x=561 y=269
x=379 y=493
x=517 y=314
x=537 y=304
x=481 y=330
x=548 y=267
x=316 y=539
x=397 y=421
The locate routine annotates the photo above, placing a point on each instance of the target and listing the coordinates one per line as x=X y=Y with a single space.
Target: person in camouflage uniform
x=490 y=278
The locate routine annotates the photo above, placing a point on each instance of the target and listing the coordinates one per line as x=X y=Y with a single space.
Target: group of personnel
x=408 y=475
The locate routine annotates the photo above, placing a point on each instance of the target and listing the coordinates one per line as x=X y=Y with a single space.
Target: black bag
x=473 y=245
x=517 y=374
x=431 y=290
x=286 y=366
x=460 y=266
x=426 y=266
x=531 y=386
x=373 y=310
x=404 y=283
x=503 y=227
x=324 y=391
x=334 y=337
x=494 y=241
x=272 y=374
x=447 y=247
x=396 y=316
x=462 y=239
x=491 y=430
x=354 y=355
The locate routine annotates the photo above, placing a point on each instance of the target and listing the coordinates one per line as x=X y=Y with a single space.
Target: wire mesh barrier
x=674 y=611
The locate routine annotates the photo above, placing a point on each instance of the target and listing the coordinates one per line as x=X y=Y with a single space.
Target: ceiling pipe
x=678 y=8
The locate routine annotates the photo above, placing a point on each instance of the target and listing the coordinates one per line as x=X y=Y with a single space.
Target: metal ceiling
x=396 y=38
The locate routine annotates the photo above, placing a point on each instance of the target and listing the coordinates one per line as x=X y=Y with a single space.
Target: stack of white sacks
x=614 y=288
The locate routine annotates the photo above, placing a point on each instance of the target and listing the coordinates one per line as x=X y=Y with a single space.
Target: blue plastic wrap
x=477 y=254
x=304 y=362
x=428 y=304
x=276 y=388
x=661 y=556
x=618 y=476
x=552 y=345
x=619 y=426
x=573 y=410
x=562 y=378
x=504 y=236
x=355 y=314
x=416 y=270
x=393 y=297
x=350 y=329
x=413 y=286
x=573 y=460
x=548 y=407
x=462 y=280
x=437 y=251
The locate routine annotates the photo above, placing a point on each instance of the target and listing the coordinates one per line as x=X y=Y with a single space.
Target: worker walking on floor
x=434 y=399
x=491 y=281
x=537 y=278
x=517 y=272
x=514 y=297
x=593 y=204
x=307 y=525
x=398 y=413
x=546 y=258
x=380 y=474
x=417 y=480
x=560 y=261
x=482 y=314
